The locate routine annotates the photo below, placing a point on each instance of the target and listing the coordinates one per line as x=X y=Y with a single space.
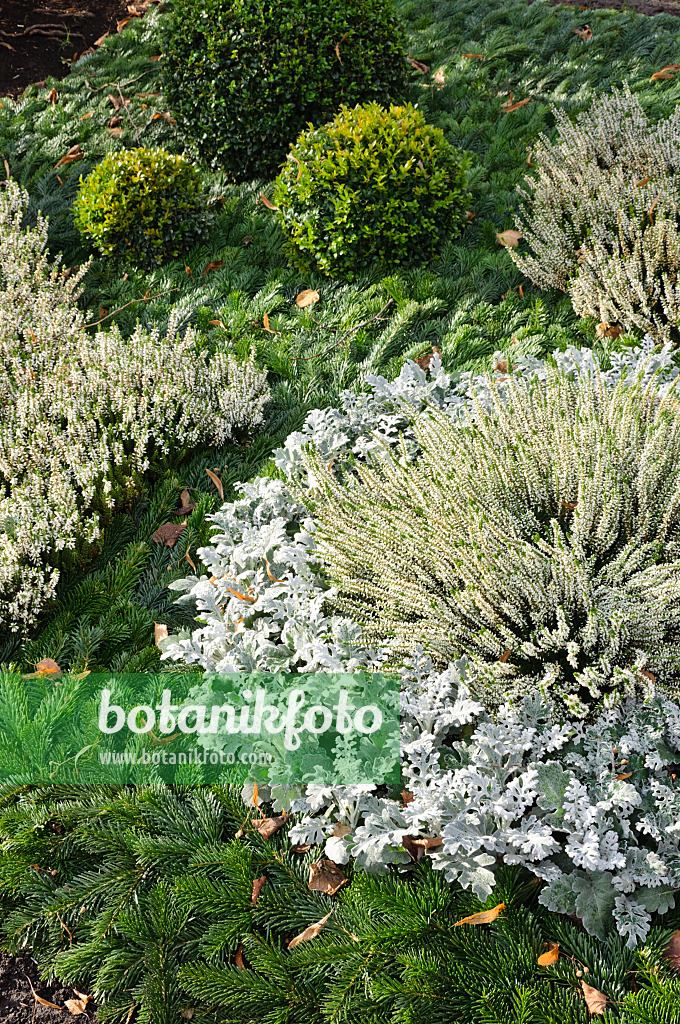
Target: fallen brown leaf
x=43 y=1002
x=217 y=482
x=623 y=775
x=483 y=917
x=424 y=361
x=118 y=101
x=596 y=1001
x=301 y=848
x=267 y=203
x=121 y=24
x=474 y=56
x=407 y=797
x=510 y=237
x=116 y=131
x=267 y=827
x=168 y=534
x=506 y=654
x=166 y=115
x=418 y=65
x=551 y=956
x=74 y=153
x=257 y=886
x=440 y=78
x=213 y=265
x=160 y=632
x=190 y=560
x=77 y=1006
x=98 y=42
x=341 y=830
x=309 y=933
x=115 y=121
x=643 y=181
x=586 y=34
x=265 y=321
x=337 y=46
x=47 y=667
x=605 y=330
x=509 y=106
x=666 y=72
x=307 y=297
x=188 y=1013
x=325 y=876
x=416 y=847
x=238 y=959
x=52 y=96
x=647 y=675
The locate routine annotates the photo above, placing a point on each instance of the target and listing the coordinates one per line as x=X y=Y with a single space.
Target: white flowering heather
x=82 y=416
x=601 y=215
x=526 y=788
x=542 y=539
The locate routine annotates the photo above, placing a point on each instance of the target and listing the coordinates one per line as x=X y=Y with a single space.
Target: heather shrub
x=373 y=185
x=540 y=539
x=600 y=214
x=142 y=205
x=244 y=77
x=83 y=417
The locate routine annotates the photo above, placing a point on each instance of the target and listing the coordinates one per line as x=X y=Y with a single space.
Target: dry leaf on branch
x=416 y=847
x=605 y=330
x=510 y=237
x=551 y=956
x=267 y=827
x=418 y=65
x=257 y=887
x=217 y=482
x=160 y=632
x=168 y=534
x=307 y=297
x=213 y=265
x=325 y=876
x=483 y=917
x=596 y=1001
x=74 y=153
x=309 y=933
x=666 y=72
x=586 y=33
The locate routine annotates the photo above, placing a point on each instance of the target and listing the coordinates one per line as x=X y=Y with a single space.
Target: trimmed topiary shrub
x=244 y=77
x=144 y=205
x=373 y=185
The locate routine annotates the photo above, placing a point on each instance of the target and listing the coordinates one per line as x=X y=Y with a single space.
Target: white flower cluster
x=524 y=788
x=82 y=416
x=601 y=215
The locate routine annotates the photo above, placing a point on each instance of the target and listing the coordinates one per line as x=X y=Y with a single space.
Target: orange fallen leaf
x=483 y=917
x=551 y=956
x=650 y=211
x=596 y=1001
x=586 y=34
x=647 y=675
x=407 y=797
x=424 y=361
x=666 y=72
x=166 y=115
x=506 y=654
x=98 y=42
x=77 y=1006
x=213 y=265
x=267 y=203
x=307 y=297
x=217 y=482
x=623 y=775
x=605 y=330
x=309 y=933
x=47 y=667
x=121 y=24
x=440 y=78
x=509 y=238
x=273 y=578
x=474 y=56
x=265 y=321
x=509 y=106
x=52 y=96
x=337 y=46
x=190 y=560
x=160 y=632
x=43 y=1002
x=238 y=959
x=643 y=181
x=74 y=153
x=267 y=827
x=416 y=847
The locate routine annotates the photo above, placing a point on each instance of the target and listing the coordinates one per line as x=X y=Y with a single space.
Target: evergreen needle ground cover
x=149 y=897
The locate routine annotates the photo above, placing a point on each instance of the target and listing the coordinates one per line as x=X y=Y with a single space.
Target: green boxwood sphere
x=244 y=77
x=143 y=206
x=372 y=186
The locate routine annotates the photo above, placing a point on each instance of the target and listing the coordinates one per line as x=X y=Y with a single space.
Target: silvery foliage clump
x=542 y=539
x=608 y=849
x=81 y=415
x=601 y=215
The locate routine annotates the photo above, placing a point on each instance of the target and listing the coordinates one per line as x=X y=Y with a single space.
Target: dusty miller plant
x=600 y=214
x=82 y=416
x=540 y=539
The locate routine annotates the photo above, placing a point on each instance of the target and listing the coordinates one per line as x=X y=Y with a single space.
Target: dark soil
x=18 y=1003
x=45 y=36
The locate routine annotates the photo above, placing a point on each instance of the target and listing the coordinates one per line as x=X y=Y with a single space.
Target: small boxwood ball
x=142 y=206
x=244 y=77
x=372 y=186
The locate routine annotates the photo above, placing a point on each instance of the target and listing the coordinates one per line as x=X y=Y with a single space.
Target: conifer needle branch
x=347 y=336
x=145 y=298
x=127 y=111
